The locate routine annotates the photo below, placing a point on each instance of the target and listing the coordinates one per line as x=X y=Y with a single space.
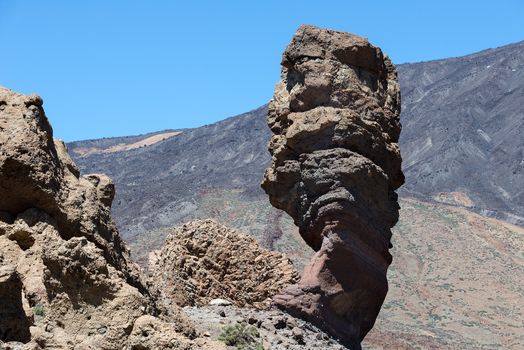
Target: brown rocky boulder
x=37 y=172
x=66 y=280
x=335 y=167
x=203 y=260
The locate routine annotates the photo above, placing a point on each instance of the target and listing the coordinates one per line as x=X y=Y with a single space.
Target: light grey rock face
x=335 y=168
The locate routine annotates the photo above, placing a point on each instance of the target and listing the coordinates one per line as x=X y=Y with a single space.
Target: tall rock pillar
x=335 y=167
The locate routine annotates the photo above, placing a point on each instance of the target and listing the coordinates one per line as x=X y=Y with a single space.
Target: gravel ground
x=277 y=330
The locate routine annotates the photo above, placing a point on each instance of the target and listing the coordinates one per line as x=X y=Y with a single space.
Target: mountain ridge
x=481 y=52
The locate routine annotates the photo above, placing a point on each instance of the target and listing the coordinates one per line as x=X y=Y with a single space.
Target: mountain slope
x=455 y=282
x=461 y=142
x=158 y=184
x=463 y=127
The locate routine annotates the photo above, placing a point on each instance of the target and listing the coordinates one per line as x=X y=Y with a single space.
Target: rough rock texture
x=37 y=172
x=335 y=168
x=203 y=260
x=66 y=280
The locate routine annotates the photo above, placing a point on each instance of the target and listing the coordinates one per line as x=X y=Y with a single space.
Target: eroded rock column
x=335 y=167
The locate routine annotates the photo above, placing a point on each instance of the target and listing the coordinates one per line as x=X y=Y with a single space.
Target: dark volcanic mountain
x=161 y=182
x=462 y=143
x=463 y=130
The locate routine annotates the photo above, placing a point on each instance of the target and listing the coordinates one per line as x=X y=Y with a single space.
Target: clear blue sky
x=110 y=68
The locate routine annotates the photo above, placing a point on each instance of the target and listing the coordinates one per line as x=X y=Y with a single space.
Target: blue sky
x=112 y=68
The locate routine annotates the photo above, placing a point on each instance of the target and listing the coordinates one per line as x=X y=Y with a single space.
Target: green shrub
x=241 y=336
x=39 y=310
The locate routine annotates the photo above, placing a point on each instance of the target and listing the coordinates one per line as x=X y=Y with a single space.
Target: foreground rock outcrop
x=66 y=280
x=203 y=260
x=335 y=167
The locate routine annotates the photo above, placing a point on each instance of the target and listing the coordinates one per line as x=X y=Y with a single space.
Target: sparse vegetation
x=39 y=310
x=242 y=336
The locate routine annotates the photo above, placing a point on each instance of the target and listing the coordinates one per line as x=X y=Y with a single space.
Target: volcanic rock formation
x=335 y=167
x=203 y=260
x=66 y=280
